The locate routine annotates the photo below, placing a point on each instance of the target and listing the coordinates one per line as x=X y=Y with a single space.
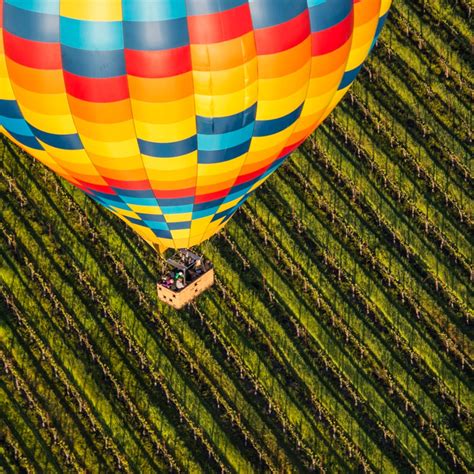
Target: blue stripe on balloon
x=231 y=211
x=178 y=201
x=239 y=190
x=228 y=213
x=380 y=25
x=10 y=109
x=206 y=206
x=220 y=215
x=26 y=140
x=38 y=6
x=29 y=25
x=15 y=125
x=137 y=201
x=153 y=10
x=156 y=35
x=152 y=217
x=222 y=141
x=208 y=125
x=175 y=208
x=162 y=234
x=349 y=77
x=91 y=35
x=94 y=64
x=168 y=150
x=326 y=14
x=226 y=154
x=136 y=221
x=270 y=127
x=265 y=13
x=109 y=200
x=135 y=193
x=179 y=225
x=64 y=142
x=204 y=212
x=160 y=229
x=152 y=224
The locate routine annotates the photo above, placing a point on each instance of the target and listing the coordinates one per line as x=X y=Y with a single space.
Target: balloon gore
x=170 y=113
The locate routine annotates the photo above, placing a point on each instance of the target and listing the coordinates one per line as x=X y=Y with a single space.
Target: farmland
x=338 y=336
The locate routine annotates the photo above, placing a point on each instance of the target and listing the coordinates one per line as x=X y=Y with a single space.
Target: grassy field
x=338 y=336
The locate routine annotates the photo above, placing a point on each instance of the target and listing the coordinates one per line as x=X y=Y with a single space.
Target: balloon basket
x=179 y=299
x=188 y=276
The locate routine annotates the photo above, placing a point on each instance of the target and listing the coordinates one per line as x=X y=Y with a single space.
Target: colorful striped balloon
x=170 y=113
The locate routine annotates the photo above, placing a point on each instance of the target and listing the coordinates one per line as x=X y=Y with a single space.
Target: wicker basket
x=178 y=299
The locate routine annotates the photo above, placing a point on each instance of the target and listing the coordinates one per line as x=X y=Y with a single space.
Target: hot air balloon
x=170 y=113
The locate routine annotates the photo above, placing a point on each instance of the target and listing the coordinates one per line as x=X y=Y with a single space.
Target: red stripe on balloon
x=278 y=38
x=173 y=193
x=142 y=185
x=333 y=38
x=110 y=89
x=287 y=150
x=78 y=185
x=33 y=54
x=244 y=178
x=222 y=26
x=96 y=187
x=156 y=64
x=211 y=196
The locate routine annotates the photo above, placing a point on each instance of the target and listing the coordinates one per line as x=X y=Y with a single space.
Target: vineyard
x=338 y=335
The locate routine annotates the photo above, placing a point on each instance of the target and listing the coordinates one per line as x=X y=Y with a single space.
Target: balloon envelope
x=170 y=113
